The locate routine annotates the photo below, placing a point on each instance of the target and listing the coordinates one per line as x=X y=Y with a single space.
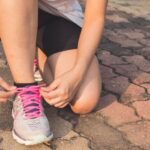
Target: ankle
x=25 y=84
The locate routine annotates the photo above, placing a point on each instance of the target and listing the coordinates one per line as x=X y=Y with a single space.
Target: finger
x=45 y=89
x=5 y=85
x=3 y=99
x=61 y=104
x=52 y=86
x=54 y=101
x=50 y=95
x=4 y=94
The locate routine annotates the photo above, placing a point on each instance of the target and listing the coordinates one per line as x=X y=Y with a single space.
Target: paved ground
x=121 y=121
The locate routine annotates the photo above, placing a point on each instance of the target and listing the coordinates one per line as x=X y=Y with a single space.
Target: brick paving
x=121 y=120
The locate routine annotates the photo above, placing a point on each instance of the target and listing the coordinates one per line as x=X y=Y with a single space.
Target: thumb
x=52 y=86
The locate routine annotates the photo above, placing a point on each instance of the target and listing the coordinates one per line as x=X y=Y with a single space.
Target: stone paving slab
x=142 y=109
x=121 y=120
x=138 y=133
x=78 y=143
x=102 y=136
x=8 y=143
x=116 y=113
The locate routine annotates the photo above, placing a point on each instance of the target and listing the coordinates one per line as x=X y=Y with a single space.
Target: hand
x=62 y=90
x=6 y=90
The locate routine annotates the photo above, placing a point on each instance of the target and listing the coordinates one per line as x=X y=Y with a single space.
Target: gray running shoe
x=30 y=122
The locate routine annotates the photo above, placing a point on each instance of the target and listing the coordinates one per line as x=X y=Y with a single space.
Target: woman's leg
x=18 y=27
x=84 y=100
x=18 y=30
x=44 y=67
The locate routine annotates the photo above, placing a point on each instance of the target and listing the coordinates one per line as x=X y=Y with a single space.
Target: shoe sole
x=31 y=142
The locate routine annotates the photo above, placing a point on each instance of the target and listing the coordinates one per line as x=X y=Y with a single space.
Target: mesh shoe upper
x=29 y=118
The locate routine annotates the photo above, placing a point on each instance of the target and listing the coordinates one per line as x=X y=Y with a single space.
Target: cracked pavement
x=121 y=120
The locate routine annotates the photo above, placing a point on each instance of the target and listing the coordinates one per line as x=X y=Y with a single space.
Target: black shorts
x=56 y=34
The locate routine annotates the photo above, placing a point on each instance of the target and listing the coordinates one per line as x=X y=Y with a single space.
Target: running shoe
x=30 y=125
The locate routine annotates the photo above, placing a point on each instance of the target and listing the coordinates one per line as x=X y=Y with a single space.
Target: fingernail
x=44 y=89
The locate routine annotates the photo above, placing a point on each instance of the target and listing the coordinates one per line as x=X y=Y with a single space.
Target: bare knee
x=84 y=106
x=81 y=110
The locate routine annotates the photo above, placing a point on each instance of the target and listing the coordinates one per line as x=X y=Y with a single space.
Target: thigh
x=85 y=100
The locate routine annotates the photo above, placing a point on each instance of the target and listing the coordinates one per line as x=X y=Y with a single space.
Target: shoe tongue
x=30 y=92
x=32 y=104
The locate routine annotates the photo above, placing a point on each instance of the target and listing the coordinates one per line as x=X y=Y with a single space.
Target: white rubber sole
x=36 y=141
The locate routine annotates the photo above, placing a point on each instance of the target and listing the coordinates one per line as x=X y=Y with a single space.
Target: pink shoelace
x=31 y=101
